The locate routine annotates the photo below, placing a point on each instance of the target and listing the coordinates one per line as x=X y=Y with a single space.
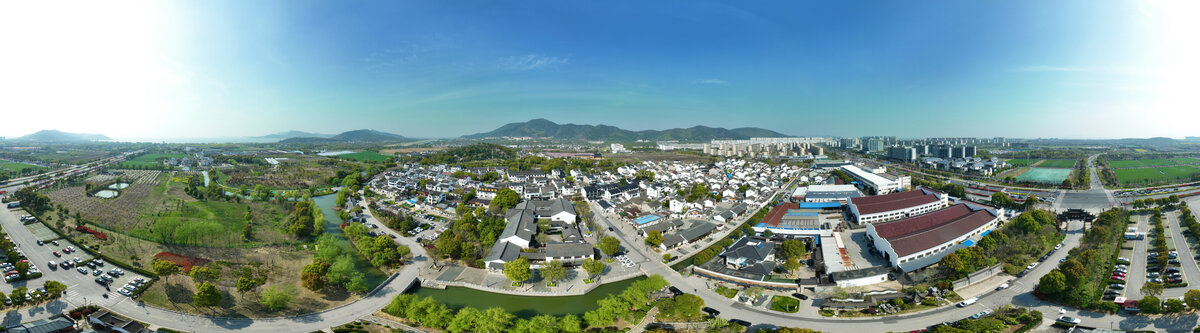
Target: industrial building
x=876 y=183
x=883 y=208
x=919 y=241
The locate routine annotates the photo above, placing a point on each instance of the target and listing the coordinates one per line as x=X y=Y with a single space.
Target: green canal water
x=524 y=306
x=372 y=275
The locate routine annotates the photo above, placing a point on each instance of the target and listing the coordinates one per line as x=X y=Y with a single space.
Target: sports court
x=1045 y=175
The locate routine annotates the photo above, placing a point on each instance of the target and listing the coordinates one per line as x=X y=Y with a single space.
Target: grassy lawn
x=1066 y=164
x=1153 y=162
x=17 y=167
x=366 y=155
x=1021 y=162
x=149 y=160
x=726 y=291
x=1156 y=175
x=1186 y=160
x=785 y=304
x=1045 y=175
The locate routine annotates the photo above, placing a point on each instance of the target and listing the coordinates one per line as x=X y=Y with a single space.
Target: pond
x=524 y=306
x=118 y=186
x=107 y=194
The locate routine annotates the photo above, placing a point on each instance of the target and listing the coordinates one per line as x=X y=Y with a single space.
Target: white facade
x=876 y=182
x=891 y=215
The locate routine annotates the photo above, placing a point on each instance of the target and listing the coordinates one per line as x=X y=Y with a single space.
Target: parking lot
x=82 y=273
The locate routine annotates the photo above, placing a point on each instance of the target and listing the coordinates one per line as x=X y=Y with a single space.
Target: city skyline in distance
x=1017 y=69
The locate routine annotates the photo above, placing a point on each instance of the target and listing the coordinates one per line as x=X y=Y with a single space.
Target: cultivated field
x=296 y=172
x=1156 y=175
x=1066 y=164
x=149 y=160
x=366 y=155
x=155 y=208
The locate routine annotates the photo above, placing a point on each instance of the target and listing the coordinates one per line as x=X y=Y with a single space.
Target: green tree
x=274 y=299
x=1192 y=298
x=164 y=268
x=505 y=198
x=313 y=275
x=1150 y=305
x=1173 y=305
x=609 y=245
x=55 y=288
x=553 y=271
x=494 y=320
x=570 y=324
x=22 y=268
x=654 y=238
x=792 y=265
x=791 y=249
x=1074 y=271
x=593 y=267
x=206 y=273
x=518 y=270
x=1152 y=289
x=464 y=320
x=206 y=295
x=1052 y=283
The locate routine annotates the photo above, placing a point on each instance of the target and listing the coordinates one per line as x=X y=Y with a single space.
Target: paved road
x=1191 y=273
x=1137 y=267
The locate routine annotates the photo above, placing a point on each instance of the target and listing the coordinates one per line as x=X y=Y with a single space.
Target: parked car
x=968 y=302
x=711 y=311
x=1031 y=266
x=981 y=314
x=1068 y=320
x=1002 y=286
x=1117 y=286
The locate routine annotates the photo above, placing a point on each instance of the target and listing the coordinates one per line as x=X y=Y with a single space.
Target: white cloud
x=713 y=81
x=531 y=62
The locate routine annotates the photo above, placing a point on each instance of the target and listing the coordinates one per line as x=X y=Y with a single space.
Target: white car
x=1002 y=287
x=1031 y=266
x=1069 y=320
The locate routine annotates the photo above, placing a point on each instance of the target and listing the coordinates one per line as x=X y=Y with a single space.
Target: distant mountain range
x=363 y=135
x=293 y=134
x=543 y=128
x=60 y=136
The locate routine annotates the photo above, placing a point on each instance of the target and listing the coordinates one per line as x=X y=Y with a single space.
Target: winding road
x=1019 y=294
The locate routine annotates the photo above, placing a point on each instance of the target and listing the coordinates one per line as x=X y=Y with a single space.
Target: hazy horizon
x=234 y=69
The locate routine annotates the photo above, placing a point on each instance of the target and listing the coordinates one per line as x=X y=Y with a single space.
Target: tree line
x=1080 y=280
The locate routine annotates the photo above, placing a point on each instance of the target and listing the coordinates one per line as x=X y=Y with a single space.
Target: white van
x=968 y=302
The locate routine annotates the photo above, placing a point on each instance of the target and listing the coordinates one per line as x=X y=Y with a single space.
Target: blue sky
x=450 y=68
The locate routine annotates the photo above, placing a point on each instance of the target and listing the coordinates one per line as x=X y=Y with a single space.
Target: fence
x=978 y=276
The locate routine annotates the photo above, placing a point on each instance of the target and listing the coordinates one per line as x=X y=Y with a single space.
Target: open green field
x=1045 y=175
x=17 y=167
x=1066 y=164
x=1156 y=175
x=149 y=160
x=1153 y=162
x=365 y=155
x=1021 y=162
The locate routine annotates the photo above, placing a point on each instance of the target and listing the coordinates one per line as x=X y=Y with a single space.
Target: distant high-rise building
x=907 y=154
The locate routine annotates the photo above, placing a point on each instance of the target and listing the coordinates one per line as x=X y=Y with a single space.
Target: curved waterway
x=524 y=306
